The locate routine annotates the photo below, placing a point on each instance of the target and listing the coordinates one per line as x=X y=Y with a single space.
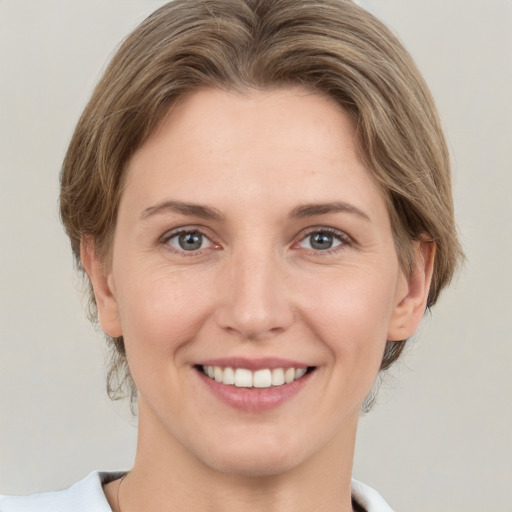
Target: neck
x=167 y=477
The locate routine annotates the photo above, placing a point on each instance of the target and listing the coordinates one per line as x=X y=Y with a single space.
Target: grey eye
x=189 y=241
x=321 y=241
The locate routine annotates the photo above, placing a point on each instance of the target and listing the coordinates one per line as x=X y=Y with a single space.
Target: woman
x=259 y=193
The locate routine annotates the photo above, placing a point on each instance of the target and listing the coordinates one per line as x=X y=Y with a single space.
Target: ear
x=102 y=283
x=412 y=293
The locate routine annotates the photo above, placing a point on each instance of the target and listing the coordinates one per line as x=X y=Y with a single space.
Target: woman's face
x=251 y=237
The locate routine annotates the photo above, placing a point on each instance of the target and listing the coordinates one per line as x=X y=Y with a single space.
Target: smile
x=261 y=378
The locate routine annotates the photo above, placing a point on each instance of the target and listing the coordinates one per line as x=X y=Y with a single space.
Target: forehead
x=283 y=145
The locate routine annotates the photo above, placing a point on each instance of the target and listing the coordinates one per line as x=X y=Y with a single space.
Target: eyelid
x=172 y=233
x=345 y=239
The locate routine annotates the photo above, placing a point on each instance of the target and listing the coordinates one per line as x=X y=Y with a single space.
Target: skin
x=256 y=288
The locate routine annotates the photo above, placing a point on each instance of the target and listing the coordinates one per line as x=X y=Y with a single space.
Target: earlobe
x=108 y=311
x=412 y=296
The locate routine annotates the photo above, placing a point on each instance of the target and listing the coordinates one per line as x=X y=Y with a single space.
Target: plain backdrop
x=439 y=437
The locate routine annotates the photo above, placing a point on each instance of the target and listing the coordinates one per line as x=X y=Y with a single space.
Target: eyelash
x=174 y=234
x=342 y=237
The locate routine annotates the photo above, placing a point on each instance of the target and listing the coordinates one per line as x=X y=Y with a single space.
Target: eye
x=188 y=241
x=323 y=240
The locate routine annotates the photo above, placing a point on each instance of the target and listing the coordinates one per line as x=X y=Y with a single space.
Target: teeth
x=299 y=372
x=277 y=377
x=229 y=376
x=243 y=378
x=264 y=378
x=289 y=375
x=218 y=373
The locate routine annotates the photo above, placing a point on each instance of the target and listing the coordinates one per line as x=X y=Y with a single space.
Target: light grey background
x=440 y=435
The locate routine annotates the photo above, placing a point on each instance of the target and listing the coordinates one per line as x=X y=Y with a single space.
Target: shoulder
x=87 y=496
x=84 y=496
x=368 y=499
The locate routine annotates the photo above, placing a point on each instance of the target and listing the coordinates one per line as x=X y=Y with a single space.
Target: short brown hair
x=330 y=46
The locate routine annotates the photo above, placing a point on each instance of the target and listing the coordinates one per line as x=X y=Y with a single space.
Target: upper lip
x=253 y=363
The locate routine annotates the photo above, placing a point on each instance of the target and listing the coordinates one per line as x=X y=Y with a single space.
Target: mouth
x=260 y=379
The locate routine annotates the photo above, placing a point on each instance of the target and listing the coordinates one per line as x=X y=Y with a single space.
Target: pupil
x=321 y=241
x=190 y=241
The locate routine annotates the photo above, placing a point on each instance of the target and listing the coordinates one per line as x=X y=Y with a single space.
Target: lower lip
x=254 y=399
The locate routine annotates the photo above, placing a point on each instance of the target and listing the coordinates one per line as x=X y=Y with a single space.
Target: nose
x=254 y=296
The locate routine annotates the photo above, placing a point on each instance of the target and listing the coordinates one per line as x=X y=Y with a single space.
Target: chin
x=254 y=459
x=263 y=465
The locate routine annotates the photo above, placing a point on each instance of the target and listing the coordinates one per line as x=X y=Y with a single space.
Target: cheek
x=351 y=316
x=160 y=311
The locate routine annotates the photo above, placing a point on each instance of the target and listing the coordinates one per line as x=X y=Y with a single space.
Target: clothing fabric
x=87 y=496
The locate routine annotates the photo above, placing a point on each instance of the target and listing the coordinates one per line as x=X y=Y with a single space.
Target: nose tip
x=255 y=302
x=251 y=324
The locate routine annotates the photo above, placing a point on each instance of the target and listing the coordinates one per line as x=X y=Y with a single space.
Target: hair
x=332 y=47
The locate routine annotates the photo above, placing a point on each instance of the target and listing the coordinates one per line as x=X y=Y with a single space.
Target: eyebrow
x=196 y=210
x=209 y=213
x=310 y=210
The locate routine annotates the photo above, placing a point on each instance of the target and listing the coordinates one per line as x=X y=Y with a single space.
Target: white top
x=87 y=496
